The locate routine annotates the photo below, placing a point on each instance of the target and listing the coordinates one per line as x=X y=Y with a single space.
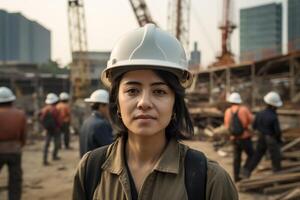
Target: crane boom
x=80 y=73
x=141 y=12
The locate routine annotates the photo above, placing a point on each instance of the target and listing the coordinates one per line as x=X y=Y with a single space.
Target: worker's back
x=12 y=126
x=95 y=132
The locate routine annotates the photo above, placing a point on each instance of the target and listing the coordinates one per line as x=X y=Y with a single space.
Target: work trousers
x=239 y=146
x=13 y=160
x=264 y=143
x=65 y=134
x=55 y=136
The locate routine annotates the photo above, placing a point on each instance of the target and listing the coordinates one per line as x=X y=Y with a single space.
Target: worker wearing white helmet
x=147 y=75
x=237 y=119
x=64 y=96
x=64 y=111
x=12 y=139
x=273 y=99
x=269 y=138
x=96 y=130
x=49 y=117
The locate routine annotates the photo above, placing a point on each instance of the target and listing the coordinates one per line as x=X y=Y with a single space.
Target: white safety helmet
x=51 y=98
x=98 y=96
x=234 y=98
x=63 y=96
x=273 y=99
x=148 y=47
x=6 y=95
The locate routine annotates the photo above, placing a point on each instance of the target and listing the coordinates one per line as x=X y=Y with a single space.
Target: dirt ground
x=55 y=181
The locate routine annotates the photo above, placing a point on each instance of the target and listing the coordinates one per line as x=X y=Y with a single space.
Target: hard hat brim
x=89 y=100
x=10 y=99
x=185 y=77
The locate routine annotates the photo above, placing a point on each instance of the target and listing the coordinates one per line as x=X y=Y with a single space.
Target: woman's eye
x=132 y=91
x=160 y=92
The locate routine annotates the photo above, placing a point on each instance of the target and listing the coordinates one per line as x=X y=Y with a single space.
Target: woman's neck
x=144 y=150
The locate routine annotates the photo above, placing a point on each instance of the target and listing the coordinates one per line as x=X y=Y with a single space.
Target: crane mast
x=179 y=20
x=80 y=73
x=227 y=27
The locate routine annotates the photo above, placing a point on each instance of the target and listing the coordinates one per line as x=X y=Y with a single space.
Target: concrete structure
x=97 y=63
x=293 y=25
x=23 y=40
x=260 y=32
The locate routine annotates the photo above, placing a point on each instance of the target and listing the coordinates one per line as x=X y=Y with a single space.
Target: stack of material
x=285 y=183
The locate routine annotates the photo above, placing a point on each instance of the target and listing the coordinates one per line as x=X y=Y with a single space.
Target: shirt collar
x=169 y=161
x=97 y=114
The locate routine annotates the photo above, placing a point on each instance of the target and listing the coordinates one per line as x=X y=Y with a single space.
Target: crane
x=179 y=20
x=227 y=27
x=179 y=17
x=141 y=12
x=80 y=72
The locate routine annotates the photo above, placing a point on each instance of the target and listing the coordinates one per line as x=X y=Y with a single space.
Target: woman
x=147 y=74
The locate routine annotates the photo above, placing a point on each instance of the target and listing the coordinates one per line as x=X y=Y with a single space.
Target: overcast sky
x=109 y=19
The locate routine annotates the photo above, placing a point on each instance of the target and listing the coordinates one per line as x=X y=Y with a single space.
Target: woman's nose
x=144 y=101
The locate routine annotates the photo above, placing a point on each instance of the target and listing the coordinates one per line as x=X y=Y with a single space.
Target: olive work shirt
x=166 y=181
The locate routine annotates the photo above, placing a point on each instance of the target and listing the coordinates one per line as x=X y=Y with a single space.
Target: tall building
x=260 y=32
x=293 y=25
x=194 y=62
x=23 y=40
x=195 y=55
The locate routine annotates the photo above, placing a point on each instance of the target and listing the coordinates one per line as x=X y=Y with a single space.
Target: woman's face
x=145 y=102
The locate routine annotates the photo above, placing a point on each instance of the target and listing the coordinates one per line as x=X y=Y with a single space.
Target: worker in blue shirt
x=269 y=135
x=96 y=130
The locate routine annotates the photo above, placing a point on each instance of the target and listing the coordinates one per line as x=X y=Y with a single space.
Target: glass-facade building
x=23 y=40
x=293 y=25
x=260 y=32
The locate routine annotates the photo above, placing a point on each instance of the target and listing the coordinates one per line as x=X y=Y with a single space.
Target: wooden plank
x=290 y=145
x=293 y=195
x=292 y=154
x=280 y=188
x=284 y=165
x=269 y=180
x=293 y=169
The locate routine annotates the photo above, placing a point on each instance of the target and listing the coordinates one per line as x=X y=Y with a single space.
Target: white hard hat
x=234 y=98
x=51 y=98
x=273 y=99
x=63 y=96
x=6 y=95
x=98 y=96
x=148 y=47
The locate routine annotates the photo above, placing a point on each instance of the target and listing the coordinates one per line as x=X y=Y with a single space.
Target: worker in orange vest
x=241 y=140
x=64 y=112
x=50 y=120
x=12 y=139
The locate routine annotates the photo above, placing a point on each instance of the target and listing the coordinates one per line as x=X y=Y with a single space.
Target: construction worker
x=12 y=139
x=65 y=118
x=147 y=75
x=96 y=130
x=242 y=139
x=49 y=118
x=269 y=134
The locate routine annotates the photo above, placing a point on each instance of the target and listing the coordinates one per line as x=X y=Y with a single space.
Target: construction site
x=260 y=67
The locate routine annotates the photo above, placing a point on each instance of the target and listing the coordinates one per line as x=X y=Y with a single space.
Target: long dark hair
x=180 y=125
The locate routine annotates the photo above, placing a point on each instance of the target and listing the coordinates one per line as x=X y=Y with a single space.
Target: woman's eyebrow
x=132 y=83
x=139 y=83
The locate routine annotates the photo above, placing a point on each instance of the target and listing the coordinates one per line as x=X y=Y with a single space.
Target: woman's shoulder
x=215 y=170
x=219 y=183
